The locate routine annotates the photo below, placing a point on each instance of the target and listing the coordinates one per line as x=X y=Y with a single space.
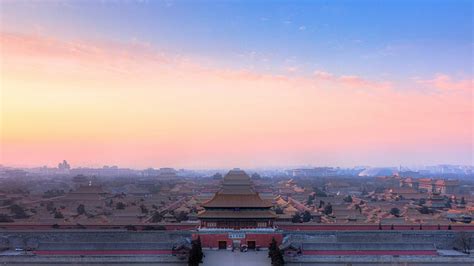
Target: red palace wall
x=373 y=227
x=262 y=240
x=371 y=252
x=282 y=226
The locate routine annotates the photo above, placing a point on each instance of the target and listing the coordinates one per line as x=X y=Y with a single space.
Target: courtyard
x=236 y=258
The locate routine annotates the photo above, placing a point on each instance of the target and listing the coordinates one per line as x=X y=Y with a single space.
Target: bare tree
x=463 y=242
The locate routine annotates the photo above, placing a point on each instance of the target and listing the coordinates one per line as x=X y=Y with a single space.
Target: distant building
x=436 y=201
x=447 y=186
x=408 y=173
x=409 y=182
x=378 y=171
x=91 y=196
x=426 y=184
x=167 y=173
x=64 y=166
x=80 y=180
x=443 y=186
x=105 y=171
x=150 y=172
x=308 y=172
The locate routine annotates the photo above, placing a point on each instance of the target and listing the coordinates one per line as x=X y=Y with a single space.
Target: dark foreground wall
x=443 y=239
x=379 y=260
x=92 y=260
x=88 y=239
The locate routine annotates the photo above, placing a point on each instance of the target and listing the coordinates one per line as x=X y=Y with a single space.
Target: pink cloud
x=41 y=49
x=136 y=57
x=319 y=74
x=354 y=81
x=292 y=69
x=351 y=81
x=358 y=82
x=444 y=82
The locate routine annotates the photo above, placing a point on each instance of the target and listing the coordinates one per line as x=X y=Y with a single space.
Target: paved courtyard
x=229 y=258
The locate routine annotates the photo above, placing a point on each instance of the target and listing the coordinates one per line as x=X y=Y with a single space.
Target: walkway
x=229 y=258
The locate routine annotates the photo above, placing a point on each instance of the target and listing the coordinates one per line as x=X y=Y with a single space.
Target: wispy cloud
x=292 y=69
x=445 y=83
x=136 y=55
x=319 y=74
x=351 y=81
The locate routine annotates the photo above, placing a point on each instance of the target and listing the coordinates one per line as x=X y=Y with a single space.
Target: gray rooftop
x=106 y=246
x=368 y=246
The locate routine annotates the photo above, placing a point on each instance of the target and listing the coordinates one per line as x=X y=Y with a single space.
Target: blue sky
x=396 y=39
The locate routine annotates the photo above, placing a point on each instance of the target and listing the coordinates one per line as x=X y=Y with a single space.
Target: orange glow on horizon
x=130 y=105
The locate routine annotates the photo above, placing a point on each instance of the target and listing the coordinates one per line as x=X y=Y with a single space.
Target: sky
x=204 y=84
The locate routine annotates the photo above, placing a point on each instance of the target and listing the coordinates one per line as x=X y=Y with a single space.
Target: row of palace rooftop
x=81 y=199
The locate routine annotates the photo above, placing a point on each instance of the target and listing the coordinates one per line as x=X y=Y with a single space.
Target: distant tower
x=64 y=165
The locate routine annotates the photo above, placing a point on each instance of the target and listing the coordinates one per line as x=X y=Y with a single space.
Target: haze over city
x=216 y=85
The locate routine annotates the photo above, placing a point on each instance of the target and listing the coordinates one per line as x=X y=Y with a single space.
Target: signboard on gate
x=236 y=235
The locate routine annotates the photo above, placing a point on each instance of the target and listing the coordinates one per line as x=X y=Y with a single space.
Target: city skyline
x=236 y=83
x=438 y=168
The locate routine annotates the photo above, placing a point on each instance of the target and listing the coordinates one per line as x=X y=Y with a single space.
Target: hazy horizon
x=226 y=168
x=236 y=84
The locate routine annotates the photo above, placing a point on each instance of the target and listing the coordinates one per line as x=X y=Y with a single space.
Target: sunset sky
x=200 y=84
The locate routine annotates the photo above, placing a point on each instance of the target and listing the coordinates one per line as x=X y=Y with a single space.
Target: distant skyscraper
x=64 y=165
